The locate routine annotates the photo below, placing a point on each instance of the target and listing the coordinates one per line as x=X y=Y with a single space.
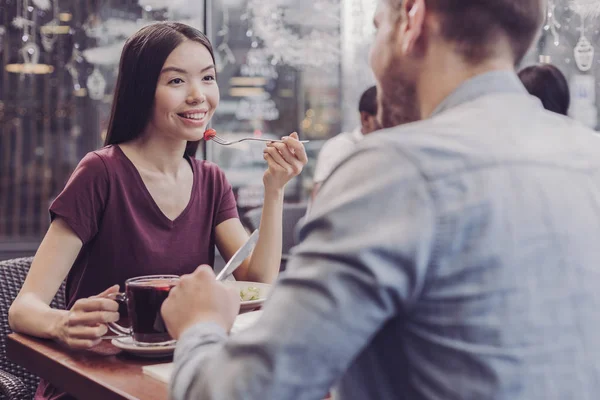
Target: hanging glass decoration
x=584 y=51
x=150 y=5
x=42 y=4
x=20 y=20
x=223 y=54
x=74 y=65
x=30 y=51
x=586 y=8
x=48 y=35
x=2 y=32
x=584 y=54
x=92 y=27
x=96 y=85
x=48 y=31
x=299 y=34
x=552 y=25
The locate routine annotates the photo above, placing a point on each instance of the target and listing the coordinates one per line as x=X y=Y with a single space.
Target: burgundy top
x=124 y=232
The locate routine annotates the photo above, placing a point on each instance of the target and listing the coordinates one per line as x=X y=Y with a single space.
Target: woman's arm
x=285 y=160
x=263 y=264
x=31 y=313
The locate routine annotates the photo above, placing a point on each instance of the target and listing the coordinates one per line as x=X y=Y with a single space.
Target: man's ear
x=414 y=10
x=364 y=121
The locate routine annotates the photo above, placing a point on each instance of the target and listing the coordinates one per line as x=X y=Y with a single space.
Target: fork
x=224 y=142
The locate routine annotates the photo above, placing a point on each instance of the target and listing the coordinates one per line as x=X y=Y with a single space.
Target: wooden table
x=102 y=373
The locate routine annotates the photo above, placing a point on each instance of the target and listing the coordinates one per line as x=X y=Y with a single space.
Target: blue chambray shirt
x=453 y=258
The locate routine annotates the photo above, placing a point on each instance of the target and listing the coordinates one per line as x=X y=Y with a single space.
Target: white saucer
x=127 y=344
x=263 y=288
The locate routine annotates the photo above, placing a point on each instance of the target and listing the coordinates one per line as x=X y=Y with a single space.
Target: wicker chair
x=16 y=383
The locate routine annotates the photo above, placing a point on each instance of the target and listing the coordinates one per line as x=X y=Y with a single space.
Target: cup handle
x=113 y=326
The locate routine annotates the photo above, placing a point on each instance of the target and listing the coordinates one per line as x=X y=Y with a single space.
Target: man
x=451 y=258
x=341 y=146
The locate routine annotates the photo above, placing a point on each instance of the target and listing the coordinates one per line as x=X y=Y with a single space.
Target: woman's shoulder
x=96 y=157
x=107 y=154
x=101 y=160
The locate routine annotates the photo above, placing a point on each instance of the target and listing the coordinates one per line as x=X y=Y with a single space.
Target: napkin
x=163 y=371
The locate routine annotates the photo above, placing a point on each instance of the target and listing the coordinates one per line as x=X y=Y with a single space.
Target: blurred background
x=283 y=66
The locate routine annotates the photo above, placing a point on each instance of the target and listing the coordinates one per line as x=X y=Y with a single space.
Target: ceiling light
x=38 y=69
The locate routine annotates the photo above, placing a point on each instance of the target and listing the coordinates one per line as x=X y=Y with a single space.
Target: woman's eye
x=209 y=78
x=176 y=81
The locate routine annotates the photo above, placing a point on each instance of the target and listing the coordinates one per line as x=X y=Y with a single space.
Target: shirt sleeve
x=362 y=261
x=82 y=201
x=227 y=207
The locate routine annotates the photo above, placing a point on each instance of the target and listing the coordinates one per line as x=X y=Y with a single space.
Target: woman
x=143 y=205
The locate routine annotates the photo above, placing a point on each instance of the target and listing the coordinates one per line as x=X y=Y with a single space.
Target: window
x=59 y=68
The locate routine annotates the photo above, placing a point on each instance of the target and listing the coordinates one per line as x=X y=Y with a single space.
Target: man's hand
x=198 y=297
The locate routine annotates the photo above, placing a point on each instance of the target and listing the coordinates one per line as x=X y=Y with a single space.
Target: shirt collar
x=357 y=133
x=488 y=83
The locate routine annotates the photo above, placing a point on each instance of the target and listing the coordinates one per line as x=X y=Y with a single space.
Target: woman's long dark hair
x=143 y=57
x=547 y=83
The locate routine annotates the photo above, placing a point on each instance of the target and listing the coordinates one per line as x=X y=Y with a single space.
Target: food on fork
x=209 y=134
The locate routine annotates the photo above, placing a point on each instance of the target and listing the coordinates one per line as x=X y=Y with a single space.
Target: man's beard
x=396 y=103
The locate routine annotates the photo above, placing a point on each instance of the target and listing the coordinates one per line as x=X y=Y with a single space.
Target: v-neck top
x=124 y=232
x=144 y=189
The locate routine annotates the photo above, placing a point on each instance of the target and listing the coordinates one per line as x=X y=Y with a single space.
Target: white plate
x=127 y=344
x=245 y=321
x=263 y=288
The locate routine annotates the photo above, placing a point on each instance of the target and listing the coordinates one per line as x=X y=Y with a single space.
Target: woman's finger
x=285 y=152
x=112 y=289
x=293 y=164
x=274 y=154
x=272 y=164
x=87 y=332
x=96 y=304
x=92 y=318
x=297 y=148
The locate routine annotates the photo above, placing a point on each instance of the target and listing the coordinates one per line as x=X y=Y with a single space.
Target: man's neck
x=158 y=152
x=442 y=75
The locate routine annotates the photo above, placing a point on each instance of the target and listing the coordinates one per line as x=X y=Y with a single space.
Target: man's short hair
x=473 y=25
x=547 y=83
x=368 y=101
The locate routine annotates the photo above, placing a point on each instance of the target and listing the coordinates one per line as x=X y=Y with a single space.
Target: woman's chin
x=193 y=135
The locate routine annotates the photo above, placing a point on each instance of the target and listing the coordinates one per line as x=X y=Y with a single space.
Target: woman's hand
x=285 y=161
x=85 y=323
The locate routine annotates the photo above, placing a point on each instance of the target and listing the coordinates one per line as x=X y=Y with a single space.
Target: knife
x=238 y=257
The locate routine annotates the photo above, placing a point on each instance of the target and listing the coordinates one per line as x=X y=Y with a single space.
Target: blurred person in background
x=548 y=84
x=336 y=149
x=340 y=146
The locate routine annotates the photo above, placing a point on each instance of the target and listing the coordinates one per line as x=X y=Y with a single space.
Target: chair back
x=292 y=214
x=12 y=276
